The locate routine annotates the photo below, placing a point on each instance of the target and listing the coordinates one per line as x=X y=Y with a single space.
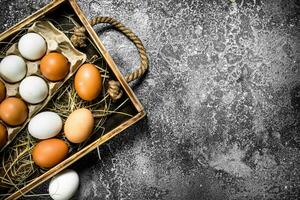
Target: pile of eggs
x=32 y=89
x=45 y=126
x=77 y=128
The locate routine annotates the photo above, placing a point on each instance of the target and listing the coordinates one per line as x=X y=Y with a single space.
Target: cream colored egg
x=13 y=68
x=33 y=89
x=32 y=46
x=79 y=125
x=64 y=185
x=45 y=125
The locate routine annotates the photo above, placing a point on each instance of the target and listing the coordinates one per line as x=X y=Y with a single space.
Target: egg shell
x=64 y=185
x=33 y=89
x=3 y=135
x=45 y=125
x=49 y=153
x=88 y=82
x=13 y=68
x=79 y=125
x=32 y=46
x=13 y=111
x=54 y=66
x=2 y=91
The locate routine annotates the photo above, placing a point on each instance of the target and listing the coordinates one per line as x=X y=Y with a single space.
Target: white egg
x=33 y=89
x=32 y=46
x=45 y=125
x=64 y=185
x=13 y=68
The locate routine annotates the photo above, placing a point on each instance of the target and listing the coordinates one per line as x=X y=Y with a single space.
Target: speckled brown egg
x=88 y=82
x=79 y=125
x=2 y=91
x=3 y=135
x=50 y=152
x=54 y=66
x=13 y=111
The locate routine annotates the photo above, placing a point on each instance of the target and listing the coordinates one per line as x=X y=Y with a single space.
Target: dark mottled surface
x=222 y=96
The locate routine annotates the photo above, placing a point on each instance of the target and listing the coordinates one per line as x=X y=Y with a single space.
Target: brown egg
x=2 y=91
x=49 y=153
x=3 y=135
x=88 y=82
x=54 y=66
x=79 y=125
x=13 y=111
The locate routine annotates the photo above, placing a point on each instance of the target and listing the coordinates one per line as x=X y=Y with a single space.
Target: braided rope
x=79 y=40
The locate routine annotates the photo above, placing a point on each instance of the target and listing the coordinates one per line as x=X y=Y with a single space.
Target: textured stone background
x=222 y=96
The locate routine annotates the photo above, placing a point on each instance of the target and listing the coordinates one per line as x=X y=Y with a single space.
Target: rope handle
x=79 y=40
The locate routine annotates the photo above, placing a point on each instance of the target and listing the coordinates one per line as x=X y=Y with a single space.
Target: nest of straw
x=17 y=167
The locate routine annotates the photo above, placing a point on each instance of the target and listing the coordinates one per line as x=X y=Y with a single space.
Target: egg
x=45 y=125
x=50 y=152
x=2 y=91
x=3 y=135
x=79 y=125
x=88 y=82
x=13 y=111
x=64 y=185
x=33 y=89
x=54 y=66
x=13 y=68
x=32 y=46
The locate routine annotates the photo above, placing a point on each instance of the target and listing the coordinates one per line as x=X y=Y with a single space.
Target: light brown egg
x=79 y=125
x=54 y=66
x=3 y=135
x=2 y=91
x=13 y=111
x=88 y=82
x=50 y=152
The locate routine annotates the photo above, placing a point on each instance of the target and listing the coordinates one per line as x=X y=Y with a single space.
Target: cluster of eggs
x=33 y=89
x=50 y=151
x=77 y=128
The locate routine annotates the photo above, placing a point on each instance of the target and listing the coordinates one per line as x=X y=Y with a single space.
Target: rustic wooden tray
x=115 y=123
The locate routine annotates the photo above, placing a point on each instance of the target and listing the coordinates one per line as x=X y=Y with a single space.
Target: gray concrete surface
x=222 y=96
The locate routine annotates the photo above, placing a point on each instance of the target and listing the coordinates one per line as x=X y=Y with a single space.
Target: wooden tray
x=115 y=124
